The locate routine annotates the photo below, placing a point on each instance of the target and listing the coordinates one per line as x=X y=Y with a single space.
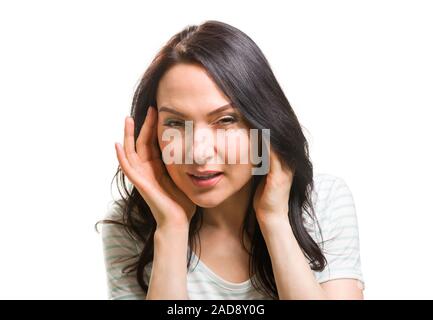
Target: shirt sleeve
x=120 y=250
x=340 y=233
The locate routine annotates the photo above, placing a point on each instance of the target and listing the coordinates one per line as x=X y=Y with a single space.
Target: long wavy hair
x=240 y=69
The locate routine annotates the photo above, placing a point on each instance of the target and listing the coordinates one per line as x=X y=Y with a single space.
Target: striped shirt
x=336 y=215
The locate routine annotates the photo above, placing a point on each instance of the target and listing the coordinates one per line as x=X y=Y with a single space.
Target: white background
x=359 y=75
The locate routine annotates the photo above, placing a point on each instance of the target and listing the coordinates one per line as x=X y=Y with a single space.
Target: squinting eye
x=174 y=123
x=227 y=120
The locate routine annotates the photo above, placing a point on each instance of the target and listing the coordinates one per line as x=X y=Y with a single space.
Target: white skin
x=188 y=89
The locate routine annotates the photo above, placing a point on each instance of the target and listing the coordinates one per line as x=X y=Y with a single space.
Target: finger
x=128 y=141
x=275 y=165
x=156 y=152
x=123 y=161
x=153 y=142
x=129 y=171
x=265 y=148
x=146 y=139
x=279 y=167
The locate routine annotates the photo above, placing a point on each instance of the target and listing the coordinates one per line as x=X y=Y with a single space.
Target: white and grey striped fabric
x=334 y=208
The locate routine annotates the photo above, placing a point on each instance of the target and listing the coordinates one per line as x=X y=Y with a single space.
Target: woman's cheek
x=231 y=147
x=243 y=151
x=240 y=172
x=245 y=148
x=171 y=146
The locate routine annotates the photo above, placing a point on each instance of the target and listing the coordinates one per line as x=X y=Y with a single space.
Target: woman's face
x=187 y=93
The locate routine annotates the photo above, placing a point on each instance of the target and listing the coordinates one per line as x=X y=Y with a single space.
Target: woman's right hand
x=146 y=171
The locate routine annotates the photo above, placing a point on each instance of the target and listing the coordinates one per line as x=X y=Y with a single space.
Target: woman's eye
x=227 y=120
x=174 y=123
x=180 y=123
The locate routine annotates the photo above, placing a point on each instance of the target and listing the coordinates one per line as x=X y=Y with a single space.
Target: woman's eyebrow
x=218 y=110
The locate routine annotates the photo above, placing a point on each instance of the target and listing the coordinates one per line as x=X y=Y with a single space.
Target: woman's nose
x=203 y=146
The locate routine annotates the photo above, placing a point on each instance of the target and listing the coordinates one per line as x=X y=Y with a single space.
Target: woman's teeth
x=207 y=176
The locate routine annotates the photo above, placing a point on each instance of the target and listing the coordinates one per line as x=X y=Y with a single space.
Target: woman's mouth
x=206 y=179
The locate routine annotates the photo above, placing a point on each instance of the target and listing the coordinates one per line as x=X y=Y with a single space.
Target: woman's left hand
x=271 y=200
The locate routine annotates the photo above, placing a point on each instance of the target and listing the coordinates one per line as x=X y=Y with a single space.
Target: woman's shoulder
x=339 y=234
x=115 y=210
x=328 y=187
x=332 y=199
x=113 y=228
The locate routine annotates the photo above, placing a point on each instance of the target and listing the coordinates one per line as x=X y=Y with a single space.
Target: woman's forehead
x=183 y=113
x=188 y=88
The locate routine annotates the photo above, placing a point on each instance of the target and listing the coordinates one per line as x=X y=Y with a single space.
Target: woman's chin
x=206 y=201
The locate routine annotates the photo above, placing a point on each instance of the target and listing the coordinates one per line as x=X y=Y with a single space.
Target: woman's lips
x=206 y=182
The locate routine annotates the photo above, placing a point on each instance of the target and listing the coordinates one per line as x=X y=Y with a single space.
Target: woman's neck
x=228 y=217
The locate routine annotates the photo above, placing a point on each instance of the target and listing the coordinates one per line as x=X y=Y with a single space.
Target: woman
x=213 y=230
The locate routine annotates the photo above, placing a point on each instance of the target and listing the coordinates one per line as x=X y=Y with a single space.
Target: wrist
x=273 y=221
x=172 y=229
x=276 y=232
